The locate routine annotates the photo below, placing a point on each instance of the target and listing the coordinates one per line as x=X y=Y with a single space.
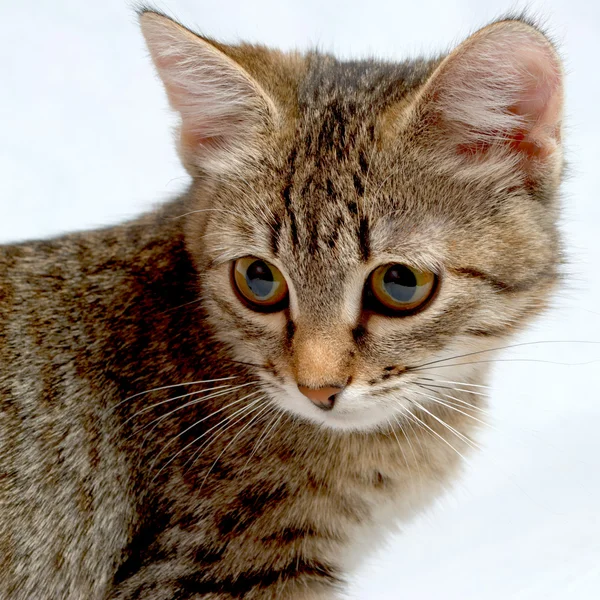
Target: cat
x=240 y=394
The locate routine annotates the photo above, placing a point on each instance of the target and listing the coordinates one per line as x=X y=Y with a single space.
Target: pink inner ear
x=502 y=86
x=540 y=106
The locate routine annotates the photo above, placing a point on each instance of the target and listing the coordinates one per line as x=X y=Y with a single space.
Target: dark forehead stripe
x=328 y=165
x=363 y=238
x=362 y=230
x=290 y=215
x=275 y=233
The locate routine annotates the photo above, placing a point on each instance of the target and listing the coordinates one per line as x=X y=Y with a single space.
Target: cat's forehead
x=334 y=199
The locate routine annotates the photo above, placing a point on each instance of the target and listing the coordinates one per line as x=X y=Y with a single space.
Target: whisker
x=463 y=402
x=441 y=402
x=279 y=412
x=240 y=362
x=167 y=387
x=518 y=345
x=421 y=422
x=172 y=440
x=400 y=445
x=245 y=409
x=477 y=362
x=178 y=306
x=201 y=210
x=464 y=383
x=268 y=405
x=473 y=444
x=457 y=433
x=407 y=438
x=444 y=387
x=172 y=399
x=223 y=426
x=222 y=392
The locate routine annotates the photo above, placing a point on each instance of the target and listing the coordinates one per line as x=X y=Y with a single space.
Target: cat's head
x=362 y=226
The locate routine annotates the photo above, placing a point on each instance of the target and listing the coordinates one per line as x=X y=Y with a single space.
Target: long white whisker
x=202 y=210
x=268 y=428
x=441 y=402
x=224 y=425
x=458 y=434
x=462 y=402
x=167 y=387
x=497 y=348
x=194 y=425
x=148 y=408
x=535 y=360
x=432 y=383
x=233 y=440
x=407 y=438
x=421 y=422
x=463 y=383
x=192 y=402
x=400 y=445
x=470 y=443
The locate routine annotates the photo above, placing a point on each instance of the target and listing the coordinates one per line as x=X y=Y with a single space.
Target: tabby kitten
x=237 y=395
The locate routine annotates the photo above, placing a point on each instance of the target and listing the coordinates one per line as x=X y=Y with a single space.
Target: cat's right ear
x=224 y=111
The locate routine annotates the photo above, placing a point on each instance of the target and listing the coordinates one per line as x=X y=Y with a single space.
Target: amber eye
x=259 y=284
x=399 y=289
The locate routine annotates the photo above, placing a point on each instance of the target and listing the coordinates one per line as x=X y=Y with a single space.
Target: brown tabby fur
x=99 y=500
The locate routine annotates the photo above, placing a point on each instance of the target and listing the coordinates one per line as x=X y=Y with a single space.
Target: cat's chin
x=359 y=421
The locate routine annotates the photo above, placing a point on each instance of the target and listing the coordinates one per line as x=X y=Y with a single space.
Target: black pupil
x=400 y=283
x=259 y=278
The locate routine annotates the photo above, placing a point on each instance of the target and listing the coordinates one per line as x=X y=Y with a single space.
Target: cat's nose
x=323 y=397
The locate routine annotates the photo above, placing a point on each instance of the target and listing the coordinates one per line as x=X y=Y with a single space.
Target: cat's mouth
x=354 y=409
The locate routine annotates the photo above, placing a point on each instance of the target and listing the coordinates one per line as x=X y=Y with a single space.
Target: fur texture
x=154 y=443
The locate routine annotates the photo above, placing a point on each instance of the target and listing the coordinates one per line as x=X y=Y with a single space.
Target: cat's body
x=81 y=497
x=117 y=484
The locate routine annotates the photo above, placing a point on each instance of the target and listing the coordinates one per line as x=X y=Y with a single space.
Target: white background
x=85 y=140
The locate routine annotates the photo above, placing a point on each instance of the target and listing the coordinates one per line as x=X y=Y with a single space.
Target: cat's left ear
x=224 y=111
x=498 y=96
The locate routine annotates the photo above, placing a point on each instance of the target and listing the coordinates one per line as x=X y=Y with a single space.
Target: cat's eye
x=259 y=284
x=399 y=289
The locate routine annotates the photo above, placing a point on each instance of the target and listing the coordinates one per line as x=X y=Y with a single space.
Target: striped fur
x=122 y=475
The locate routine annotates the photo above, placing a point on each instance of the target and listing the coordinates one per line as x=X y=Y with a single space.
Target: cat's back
x=66 y=309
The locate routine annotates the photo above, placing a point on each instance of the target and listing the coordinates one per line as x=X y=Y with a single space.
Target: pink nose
x=323 y=397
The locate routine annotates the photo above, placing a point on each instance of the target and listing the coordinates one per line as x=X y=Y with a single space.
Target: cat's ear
x=499 y=94
x=223 y=110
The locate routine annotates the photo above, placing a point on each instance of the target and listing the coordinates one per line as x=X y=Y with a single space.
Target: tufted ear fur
x=223 y=109
x=500 y=95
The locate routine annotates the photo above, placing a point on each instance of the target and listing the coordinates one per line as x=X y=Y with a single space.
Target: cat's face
x=491 y=258
x=364 y=241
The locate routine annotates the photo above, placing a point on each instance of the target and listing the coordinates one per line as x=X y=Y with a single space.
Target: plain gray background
x=86 y=140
